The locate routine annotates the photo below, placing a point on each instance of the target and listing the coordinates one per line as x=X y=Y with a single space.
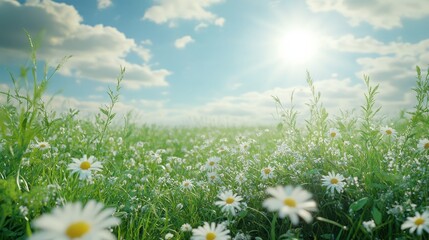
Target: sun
x=297 y=46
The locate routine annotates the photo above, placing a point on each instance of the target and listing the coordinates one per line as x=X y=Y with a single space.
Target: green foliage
x=288 y=115
x=359 y=204
x=106 y=115
x=23 y=117
x=9 y=194
x=420 y=115
x=317 y=123
x=368 y=113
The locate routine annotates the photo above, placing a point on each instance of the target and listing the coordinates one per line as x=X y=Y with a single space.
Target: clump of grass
x=420 y=115
x=106 y=115
x=23 y=117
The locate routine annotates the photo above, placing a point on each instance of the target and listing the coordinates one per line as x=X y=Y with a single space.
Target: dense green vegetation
x=365 y=176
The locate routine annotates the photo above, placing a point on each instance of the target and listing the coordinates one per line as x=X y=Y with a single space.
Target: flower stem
x=273 y=227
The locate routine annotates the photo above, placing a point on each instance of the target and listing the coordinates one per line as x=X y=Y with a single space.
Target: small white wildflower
x=23 y=210
x=388 y=131
x=186 y=227
x=213 y=177
x=267 y=172
x=240 y=178
x=212 y=163
x=187 y=184
x=42 y=145
x=369 y=225
x=333 y=133
x=168 y=236
x=179 y=206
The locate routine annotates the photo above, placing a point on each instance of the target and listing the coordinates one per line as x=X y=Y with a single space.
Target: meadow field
x=353 y=176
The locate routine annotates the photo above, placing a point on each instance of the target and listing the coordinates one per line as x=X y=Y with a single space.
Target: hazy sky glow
x=219 y=61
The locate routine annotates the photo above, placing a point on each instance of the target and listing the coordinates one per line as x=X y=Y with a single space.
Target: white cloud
x=95 y=97
x=390 y=65
x=200 y=26
x=349 y=43
x=101 y=4
x=100 y=89
x=367 y=44
x=183 y=41
x=256 y=107
x=385 y=14
x=142 y=52
x=151 y=104
x=3 y=88
x=165 y=11
x=219 y=22
x=98 y=51
x=146 y=42
x=393 y=65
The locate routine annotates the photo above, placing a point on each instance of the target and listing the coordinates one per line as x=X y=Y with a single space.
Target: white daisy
x=187 y=184
x=210 y=232
x=213 y=177
x=42 y=145
x=84 y=166
x=418 y=222
x=212 y=163
x=291 y=202
x=423 y=144
x=334 y=182
x=267 y=172
x=388 y=131
x=73 y=221
x=186 y=227
x=222 y=149
x=333 y=133
x=229 y=202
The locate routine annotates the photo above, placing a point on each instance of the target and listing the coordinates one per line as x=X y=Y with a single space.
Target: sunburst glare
x=298 y=46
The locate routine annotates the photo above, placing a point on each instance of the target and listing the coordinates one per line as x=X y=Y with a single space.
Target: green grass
x=143 y=167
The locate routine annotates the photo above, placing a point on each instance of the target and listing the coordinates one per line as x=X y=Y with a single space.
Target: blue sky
x=220 y=61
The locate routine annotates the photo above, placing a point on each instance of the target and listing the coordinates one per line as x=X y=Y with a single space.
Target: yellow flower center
x=211 y=163
x=290 y=202
x=212 y=177
x=267 y=171
x=85 y=165
x=77 y=229
x=334 y=181
x=42 y=145
x=210 y=236
x=186 y=184
x=230 y=200
x=419 y=221
x=389 y=132
x=426 y=146
x=333 y=134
